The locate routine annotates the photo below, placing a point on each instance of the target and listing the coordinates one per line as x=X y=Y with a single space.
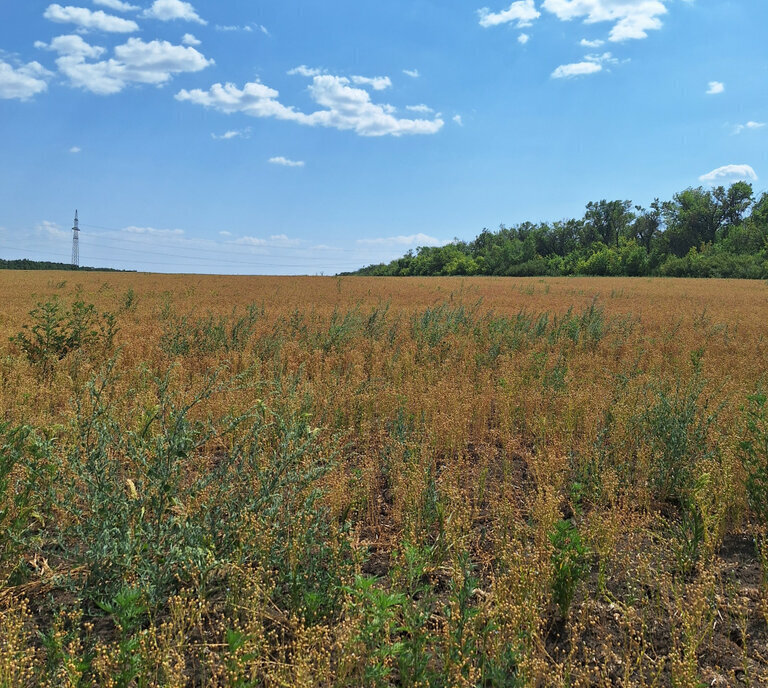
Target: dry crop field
x=236 y=481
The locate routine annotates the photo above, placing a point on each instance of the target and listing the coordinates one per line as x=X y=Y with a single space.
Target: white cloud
x=285 y=162
x=89 y=20
x=458 y=120
x=276 y=240
x=118 y=5
x=225 y=233
x=576 y=69
x=413 y=73
x=303 y=70
x=168 y=10
x=22 y=82
x=749 y=126
x=342 y=107
x=51 y=229
x=421 y=109
x=189 y=39
x=232 y=134
x=402 y=240
x=523 y=38
x=71 y=44
x=248 y=28
x=523 y=12
x=584 y=43
x=75 y=149
x=592 y=64
x=632 y=19
x=715 y=87
x=377 y=83
x=154 y=232
x=730 y=172
x=136 y=62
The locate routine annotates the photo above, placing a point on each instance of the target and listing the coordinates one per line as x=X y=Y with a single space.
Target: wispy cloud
x=748 y=126
x=75 y=149
x=730 y=172
x=458 y=120
x=232 y=134
x=303 y=70
x=404 y=240
x=285 y=162
x=413 y=73
x=523 y=38
x=118 y=5
x=377 y=83
x=592 y=64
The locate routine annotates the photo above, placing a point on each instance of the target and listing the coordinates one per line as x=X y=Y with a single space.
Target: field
x=234 y=481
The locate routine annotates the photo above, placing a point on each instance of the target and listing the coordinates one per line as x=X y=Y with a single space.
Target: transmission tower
x=76 y=243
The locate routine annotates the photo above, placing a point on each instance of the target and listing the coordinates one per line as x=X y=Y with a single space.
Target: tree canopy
x=719 y=232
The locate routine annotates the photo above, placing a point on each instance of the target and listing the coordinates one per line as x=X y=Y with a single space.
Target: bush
x=56 y=331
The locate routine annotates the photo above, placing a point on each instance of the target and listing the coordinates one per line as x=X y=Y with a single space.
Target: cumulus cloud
x=520 y=12
x=22 y=82
x=71 y=44
x=118 y=5
x=592 y=64
x=523 y=38
x=343 y=107
x=730 y=172
x=135 y=62
x=75 y=149
x=584 y=43
x=404 y=240
x=168 y=10
x=285 y=162
x=377 y=83
x=749 y=126
x=458 y=120
x=413 y=73
x=631 y=19
x=715 y=87
x=189 y=39
x=88 y=20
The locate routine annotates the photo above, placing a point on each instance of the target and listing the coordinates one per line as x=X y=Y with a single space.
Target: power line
x=291 y=248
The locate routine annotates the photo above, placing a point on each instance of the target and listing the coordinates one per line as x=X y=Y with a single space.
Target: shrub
x=56 y=331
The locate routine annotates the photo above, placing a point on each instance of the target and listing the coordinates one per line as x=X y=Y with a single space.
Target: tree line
x=26 y=264
x=718 y=232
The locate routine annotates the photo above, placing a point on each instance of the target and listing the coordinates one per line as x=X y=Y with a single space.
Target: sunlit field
x=236 y=481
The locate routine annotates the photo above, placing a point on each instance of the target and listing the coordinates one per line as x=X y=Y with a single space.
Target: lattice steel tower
x=76 y=243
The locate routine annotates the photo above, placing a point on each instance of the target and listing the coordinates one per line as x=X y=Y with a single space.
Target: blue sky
x=287 y=136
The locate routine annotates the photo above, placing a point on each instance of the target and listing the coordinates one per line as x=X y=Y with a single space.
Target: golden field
x=279 y=481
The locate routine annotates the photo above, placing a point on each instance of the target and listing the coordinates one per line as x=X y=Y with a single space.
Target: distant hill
x=25 y=264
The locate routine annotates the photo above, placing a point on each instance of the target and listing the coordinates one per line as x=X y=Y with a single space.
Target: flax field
x=295 y=482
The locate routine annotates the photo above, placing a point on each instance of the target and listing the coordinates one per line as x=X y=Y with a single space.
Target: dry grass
x=416 y=482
